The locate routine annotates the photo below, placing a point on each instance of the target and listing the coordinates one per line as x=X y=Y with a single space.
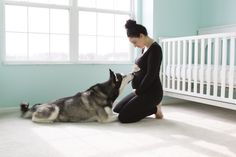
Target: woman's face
x=137 y=41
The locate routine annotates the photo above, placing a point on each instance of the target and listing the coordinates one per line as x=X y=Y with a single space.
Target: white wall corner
x=138 y=10
x=147 y=16
x=2 y=33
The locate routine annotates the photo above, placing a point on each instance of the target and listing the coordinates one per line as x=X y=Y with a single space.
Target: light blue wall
x=42 y=83
x=217 y=12
x=176 y=17
x=185 y=17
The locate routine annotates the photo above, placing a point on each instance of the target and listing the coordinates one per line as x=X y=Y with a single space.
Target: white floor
x=191 y=130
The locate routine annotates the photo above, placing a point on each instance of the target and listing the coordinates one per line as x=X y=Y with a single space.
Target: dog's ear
x=112 y=76
x=110 y=71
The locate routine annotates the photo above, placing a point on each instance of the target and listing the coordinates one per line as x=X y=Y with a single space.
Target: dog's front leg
x=105 y=115
x=111 y=117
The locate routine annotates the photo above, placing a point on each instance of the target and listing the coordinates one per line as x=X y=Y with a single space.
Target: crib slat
x=216 y=63
x=202 y=65
x=189 y=70
x=208 y=67
x=178 y=65
x=173 y=74
x=184 y=65
x=223 y=67
x=232 y=66
x=195 y=65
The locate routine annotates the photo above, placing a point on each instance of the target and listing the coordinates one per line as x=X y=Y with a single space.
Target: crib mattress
x=204 y=72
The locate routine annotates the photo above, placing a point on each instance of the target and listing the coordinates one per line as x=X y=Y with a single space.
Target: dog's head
x=115 y=84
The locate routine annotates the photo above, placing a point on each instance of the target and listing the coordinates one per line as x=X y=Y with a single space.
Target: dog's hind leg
x=41 y=120
x=46 y=114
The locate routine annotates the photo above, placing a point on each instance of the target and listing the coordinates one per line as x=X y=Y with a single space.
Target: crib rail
x=201 y=66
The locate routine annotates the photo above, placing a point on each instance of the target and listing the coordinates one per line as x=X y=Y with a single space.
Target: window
x=67 y=31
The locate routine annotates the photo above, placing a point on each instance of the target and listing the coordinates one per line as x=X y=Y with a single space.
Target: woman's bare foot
x=159 y=114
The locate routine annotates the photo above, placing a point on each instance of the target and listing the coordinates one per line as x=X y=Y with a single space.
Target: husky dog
x=94 y=104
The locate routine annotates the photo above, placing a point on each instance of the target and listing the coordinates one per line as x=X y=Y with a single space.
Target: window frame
x=73 y=9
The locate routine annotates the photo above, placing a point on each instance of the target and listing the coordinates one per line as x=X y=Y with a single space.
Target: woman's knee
x=123 y=119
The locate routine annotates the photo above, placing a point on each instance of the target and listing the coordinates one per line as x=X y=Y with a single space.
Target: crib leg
x=159 y=114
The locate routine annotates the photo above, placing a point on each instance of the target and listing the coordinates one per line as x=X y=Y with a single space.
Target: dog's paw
x=112 y=118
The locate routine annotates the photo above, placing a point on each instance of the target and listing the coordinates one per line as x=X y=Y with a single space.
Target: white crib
x=201 y=68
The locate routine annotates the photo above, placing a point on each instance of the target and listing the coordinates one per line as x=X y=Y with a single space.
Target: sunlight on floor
x=186 y=130
x=219 y=149
x=219 y=125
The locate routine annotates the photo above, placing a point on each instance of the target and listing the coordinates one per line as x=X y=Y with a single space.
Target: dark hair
x=134 y=30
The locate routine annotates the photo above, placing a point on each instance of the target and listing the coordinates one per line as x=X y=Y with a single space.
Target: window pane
x=87 y=3
x=59 y=21
x=16 y=46
x=122 y=5
x=59 y=47
x=87 y=23
x=122 y=44
x=38 y=46
x=38 y=20
x=105 y=4
x=105 y=24
x=120 y=21
x=105 y=46
x=16 y=18
x=87 y=47
x=121 y=56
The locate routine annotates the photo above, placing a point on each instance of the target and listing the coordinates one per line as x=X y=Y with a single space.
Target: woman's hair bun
x=130 y=24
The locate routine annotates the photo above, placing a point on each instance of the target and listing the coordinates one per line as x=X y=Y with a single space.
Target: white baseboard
x=165 y=100
x=170 y=100
x=8 y=109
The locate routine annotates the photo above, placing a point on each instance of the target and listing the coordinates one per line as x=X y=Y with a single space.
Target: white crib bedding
x=201 y=72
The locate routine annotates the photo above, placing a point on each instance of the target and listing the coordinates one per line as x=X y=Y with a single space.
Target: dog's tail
x=24 y=107
x=26 y=111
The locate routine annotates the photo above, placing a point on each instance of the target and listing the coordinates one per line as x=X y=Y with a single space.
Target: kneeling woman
x=145 y=100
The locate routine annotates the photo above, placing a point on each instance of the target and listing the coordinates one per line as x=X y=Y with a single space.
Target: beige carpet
x=191 y=130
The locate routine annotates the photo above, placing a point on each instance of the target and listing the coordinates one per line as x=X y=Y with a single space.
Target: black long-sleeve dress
x=149 y=92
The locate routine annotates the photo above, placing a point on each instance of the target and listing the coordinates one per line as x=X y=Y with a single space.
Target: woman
x=147 y=95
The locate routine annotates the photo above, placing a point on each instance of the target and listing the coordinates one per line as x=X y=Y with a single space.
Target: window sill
x=66 y=62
